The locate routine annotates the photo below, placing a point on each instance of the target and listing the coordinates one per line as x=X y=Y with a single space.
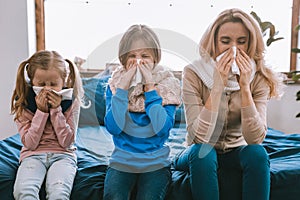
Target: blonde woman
x=225 y=95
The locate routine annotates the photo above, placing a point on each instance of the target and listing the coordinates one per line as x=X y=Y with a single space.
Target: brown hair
x=139 y=32
x=43 y=60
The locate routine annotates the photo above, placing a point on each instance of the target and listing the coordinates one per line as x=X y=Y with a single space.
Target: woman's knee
x=203 y=152
x=203 y=157
x=254 y=154
x=196 y=155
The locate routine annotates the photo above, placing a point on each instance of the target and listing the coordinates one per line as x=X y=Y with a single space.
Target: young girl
x=141 y=99
x=46 y=103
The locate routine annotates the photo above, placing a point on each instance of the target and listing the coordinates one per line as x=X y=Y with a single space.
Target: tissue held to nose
x=234 y=67
x=234 y=51
x=138 y=78
x=65 y=93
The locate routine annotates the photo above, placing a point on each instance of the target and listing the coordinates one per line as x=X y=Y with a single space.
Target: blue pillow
x=100 y=105
x=94 y=90
x=179 y=116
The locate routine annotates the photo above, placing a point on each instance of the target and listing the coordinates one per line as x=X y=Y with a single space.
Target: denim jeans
x=141 y=186
x=58 y=171
x=243 y=173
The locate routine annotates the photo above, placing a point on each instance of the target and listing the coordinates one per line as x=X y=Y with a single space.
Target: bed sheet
x=94 y=146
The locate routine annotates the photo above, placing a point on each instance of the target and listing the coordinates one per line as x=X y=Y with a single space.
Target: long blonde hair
x=256 y=47
x=43 y=60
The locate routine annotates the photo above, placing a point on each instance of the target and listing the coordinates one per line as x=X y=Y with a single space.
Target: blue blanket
x=94 y=146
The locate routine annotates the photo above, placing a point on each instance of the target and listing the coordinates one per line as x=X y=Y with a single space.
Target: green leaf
x=256 y=17
x=298 y=96
x=265 y=25
x=271 y=39
x=295 y=50
x=295 y=77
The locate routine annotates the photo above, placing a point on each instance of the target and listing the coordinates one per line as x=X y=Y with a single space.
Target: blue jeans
x=58 y=169
x=149 y=186
x=243 y=173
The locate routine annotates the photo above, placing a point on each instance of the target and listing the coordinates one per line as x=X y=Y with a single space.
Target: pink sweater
x=48 y=132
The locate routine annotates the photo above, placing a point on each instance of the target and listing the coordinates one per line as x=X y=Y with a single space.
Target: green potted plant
x=294 y=76
x=264 y=26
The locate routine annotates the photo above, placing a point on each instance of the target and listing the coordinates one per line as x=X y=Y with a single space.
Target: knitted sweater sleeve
x=253 y=117
x=200 y=121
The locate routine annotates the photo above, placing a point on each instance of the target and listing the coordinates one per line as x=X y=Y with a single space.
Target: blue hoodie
x=139 y=138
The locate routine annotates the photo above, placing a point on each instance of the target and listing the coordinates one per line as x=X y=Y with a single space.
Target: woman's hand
x=222 y=69
x=42 y=101
x=244 y=63
x=146 y=71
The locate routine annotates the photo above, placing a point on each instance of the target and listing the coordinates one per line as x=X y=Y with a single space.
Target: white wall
x=189 y=18
x=282 y=113
x=13 y=49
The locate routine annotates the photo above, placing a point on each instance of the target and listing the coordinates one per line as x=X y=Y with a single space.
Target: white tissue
x=138 y=75
x=234 y=68
x=138 y=78
x=66 y=94
x=37 y=89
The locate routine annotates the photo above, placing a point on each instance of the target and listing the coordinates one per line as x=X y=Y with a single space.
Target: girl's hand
x=146 y=71
x=42 y=101
x=126 y=79
x=222 y=69
x=54 y=100
x=244 y=63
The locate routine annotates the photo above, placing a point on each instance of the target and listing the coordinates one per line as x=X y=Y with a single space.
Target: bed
x=94 y=146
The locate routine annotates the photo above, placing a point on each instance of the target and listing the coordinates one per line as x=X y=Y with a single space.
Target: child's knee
x=25 y=190
x=58 y=190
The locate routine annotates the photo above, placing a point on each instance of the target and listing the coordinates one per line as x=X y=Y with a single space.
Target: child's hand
x=42 y=101
x=54 y=100
x=125 y=80
x=146 y=71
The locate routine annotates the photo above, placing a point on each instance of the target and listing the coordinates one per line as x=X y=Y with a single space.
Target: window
x=91 y=29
